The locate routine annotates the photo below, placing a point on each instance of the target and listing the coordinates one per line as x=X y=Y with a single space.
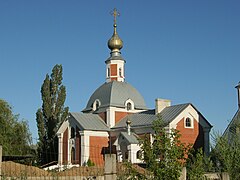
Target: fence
x=24 y=167
x=110 y=170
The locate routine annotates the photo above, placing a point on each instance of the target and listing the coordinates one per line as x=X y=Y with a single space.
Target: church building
x=233 y=127
x=116 y=116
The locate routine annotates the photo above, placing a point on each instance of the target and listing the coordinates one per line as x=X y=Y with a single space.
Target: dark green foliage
x=226 y=154
x=51 y=115
x=197 y=164
x=167 y=155
x=15 y=136
x=90 y=163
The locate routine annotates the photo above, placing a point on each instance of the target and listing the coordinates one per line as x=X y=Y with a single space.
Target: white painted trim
x=120 y=64
x=63 y=127
x=85 y=143
x=132 y=105
x=191 y=122
x=124 y=109
x=187 y=112
x=95 y=105
x=96 y=133
x=110 y=116
x=111 y=111
x=84 y=148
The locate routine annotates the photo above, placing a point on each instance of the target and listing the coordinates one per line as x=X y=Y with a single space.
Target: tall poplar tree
x=51 y=115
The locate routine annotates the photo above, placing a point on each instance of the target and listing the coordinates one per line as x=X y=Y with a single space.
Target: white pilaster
x=111 y=117
x=119 y=153
x=84 y=147
x=132 y=153
x=120 y=70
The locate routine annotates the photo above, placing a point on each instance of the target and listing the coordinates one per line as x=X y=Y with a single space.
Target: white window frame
x=132 y=105
x=191 y=122
x=97 y=101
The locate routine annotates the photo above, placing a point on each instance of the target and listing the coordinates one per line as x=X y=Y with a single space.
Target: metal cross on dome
x=115 y=13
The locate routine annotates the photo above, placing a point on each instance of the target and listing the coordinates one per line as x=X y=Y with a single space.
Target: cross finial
x=115 y=13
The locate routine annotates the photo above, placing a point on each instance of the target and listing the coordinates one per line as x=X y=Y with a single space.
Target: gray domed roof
x=115 y=94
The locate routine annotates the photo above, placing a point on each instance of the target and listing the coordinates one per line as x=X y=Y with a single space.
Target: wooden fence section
x=110 y=171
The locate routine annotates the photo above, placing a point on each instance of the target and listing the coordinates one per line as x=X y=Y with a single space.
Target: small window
x=188 y=122
x=73 y=158
x=126 y=155
x=96 y=105
x=72 y=132
x=139 y=154
x=120 y=72
x=108 y=72
x=129 y=106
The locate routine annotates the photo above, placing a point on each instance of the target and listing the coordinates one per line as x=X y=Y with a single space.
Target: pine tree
x=51 y=115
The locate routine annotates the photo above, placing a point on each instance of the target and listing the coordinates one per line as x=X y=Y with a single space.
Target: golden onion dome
x=115 y=43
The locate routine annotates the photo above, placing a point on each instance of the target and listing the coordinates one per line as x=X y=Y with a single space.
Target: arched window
x=72 y=132
x=188 y=122
x=73 y=155
x=96 y=105
x=129 y=106
x=139 y=154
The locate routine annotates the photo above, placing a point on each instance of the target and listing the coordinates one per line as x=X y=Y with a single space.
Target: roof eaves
x=231 y=122
x=201 y=114
x=76 y=120
x=172 y=118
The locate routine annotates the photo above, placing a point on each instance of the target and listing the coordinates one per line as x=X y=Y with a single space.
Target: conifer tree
x=50 y=116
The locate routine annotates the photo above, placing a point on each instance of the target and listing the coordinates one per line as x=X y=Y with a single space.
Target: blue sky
x=185 y=51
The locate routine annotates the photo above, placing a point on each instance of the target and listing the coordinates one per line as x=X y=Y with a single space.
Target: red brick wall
x=96 y=147
x=119 y=116
x=103 y=116
x=65 y=146
x=193 y=135
x=113 y=69
x=114 y=79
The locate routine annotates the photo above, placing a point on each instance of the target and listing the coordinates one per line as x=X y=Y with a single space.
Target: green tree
x=15 y=136
x=167 y=155
x=226 y=153
x=197 y=164
x=51 y=115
